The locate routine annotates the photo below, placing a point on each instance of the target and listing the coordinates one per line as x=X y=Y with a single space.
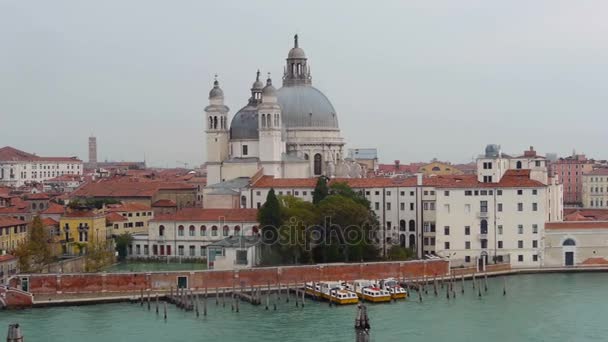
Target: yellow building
x=79 y=228
x=438 y=168
x=12 y=233
x=135 y=218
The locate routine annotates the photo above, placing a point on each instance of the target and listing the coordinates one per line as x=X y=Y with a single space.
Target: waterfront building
x=595 y=188
x=235 y=252
x=570 y=171
x=81 y=227
x=8 y=267
x=290 y=132
x=18 y=168
x=135 y=218
x=13 y=232
x=186 y=233
x=582 y=241
x=498 y=214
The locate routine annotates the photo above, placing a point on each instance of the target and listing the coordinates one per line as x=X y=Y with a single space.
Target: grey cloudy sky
x=416 y=79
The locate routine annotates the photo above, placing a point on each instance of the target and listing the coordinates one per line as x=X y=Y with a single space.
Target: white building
x=18 y=167
x=456 y=216
x=187 y=233
x=291 y=132
x=235 y=252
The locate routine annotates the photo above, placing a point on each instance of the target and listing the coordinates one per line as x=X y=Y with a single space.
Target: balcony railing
x=482 y=236
x=482 y=214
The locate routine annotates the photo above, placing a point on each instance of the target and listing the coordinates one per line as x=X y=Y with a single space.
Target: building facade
x=136 y=218
x=8 y=267
x=81 y=228
x=18 y=168
x=187 y=233
x=570 y=171
x=13 y=232
x=576 y=243
x=595 y=188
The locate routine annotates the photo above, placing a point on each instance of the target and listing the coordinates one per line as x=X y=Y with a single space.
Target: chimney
x=419 y=179
x=397 y=162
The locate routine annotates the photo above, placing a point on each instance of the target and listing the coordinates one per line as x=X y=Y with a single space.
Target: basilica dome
x=244 y=124
x=306 y=106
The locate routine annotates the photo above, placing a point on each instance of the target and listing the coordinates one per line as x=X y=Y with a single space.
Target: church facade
x=290 y=132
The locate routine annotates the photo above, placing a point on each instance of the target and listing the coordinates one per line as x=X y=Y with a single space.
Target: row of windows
x=483 y=229
x=145 y=213
x=193 y=251
x=16 y=230
x=520 y=258
x=599 y=179
x=203 y=231
x=467 y=244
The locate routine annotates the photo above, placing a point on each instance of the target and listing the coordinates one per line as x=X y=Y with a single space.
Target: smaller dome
x=296 y=52
x=257 y=85
x=216 y=92
x=269 y=90
x=492 y=151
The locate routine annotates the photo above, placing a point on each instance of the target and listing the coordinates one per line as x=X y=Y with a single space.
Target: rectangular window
x=446 y=193
x=520 y=207
x=388 y=206
x=467 y=258
x=377 y=193
x=534 y=243
x=402 y=206
x=426 y=193
x=203 y=251
x=534 y=206
x=446 y=207
x=411 y=206
x=534 y=192
x=499 y=228
x=535 y=229
x=499 y=207
x=468 y=193
x=520 y=243
x=520 y=192
x=467 y=245
x=389 y=225
x=520 y=229
x=520 y=258
x=245 y=150
x=499 y=244
x=180 y=250
x=467 y=208
x=483 y=192
x=467 y=230
x=499 y=192
x=146 y=250
x=446 y=230
x=377 y=205
x=192 y=251
x=483 y=206
x=535 y=257
x=402 y=193
x=411 y=193
x=446 y=245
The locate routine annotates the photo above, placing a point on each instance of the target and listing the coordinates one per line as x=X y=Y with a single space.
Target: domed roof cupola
x=216 y=92
x=296 y=71
x=269 y=90
x=256 y=90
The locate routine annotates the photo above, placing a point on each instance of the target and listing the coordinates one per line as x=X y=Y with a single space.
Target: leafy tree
x=321 y=190
x=35 y=253
x=269 y=217
x=398 y=253
x=342 y=189
x=122 y=243
x=297 y=217
x=98 y=256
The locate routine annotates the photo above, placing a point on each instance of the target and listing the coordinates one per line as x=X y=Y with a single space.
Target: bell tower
x=270 y=126
x=217 y=133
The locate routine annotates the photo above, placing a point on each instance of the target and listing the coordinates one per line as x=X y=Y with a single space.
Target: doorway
x=569 y=256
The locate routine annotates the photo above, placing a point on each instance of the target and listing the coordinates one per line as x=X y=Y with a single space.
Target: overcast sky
x=416 y=79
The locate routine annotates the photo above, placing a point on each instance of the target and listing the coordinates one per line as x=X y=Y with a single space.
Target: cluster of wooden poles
x=420 y=284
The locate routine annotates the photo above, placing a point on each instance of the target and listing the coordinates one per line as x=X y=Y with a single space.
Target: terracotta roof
x=6 y=221
x=82 y=213
x=9 y=153
x=576 y=225
x=577 y=216
x=133 y=187
x=511 y=179
x=128 y=207
x=47 y=222
x=598 y=172
x=38 y=196
x=210 y=215
x=65 y=178
x=115 y=217
x=589 y=214
x=595 y=261
x=7 y=257
x=164 y=203
x=54 y=208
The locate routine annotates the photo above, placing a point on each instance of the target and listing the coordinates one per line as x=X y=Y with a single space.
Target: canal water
x=548 y=307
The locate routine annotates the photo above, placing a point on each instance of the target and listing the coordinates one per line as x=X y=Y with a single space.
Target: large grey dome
x=306 y=106
x=244 y=124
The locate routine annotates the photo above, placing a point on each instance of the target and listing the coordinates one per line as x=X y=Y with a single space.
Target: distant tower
x=270 y=126
x=92 y=152
x=216 y=116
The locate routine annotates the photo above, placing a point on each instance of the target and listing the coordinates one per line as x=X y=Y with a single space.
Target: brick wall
x=41 y=284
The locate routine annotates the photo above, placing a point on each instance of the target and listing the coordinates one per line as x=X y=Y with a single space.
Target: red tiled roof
x=82 y=213
x=598 y=172
x=576 y=225
x=6 y=221
x=590 y=214
x=7 y=257
x=115 y=217
x=210 y=215
x=595 y=261
x=38 y=196
x=128 y=207
x=65 y=178
x=164 y=203
x=54 y=208
x=9 y=153
x=271 y=182
x=47 y=222
x=133 y=187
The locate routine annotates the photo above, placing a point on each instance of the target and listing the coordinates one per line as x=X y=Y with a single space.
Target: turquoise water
x=155 y=267
x=551 y=307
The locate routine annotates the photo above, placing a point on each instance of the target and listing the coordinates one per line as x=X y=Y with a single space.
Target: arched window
x=254 y=230
x=402 y=228
x=191 y=230
x=484 y=227
x=203 y=230
x=214 y=231
x=243 y=201
x=436 y=168
x=210 y=126
x=225 y=230
x=237 y=230
x=317 y=164
x=276 y=120
x=518 y=165
x=215 y=122
x=412 y=240
x=263 y=120
x=402 y=240
x=412 y=226
x=180 y=230
x=268 y=120
x=34 y=206
x=306 y=157
x=569 y=242
x=161 y=230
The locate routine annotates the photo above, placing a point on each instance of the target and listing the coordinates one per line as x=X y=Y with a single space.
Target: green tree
x=122 y=243
x=269 y=217
x=342 y=189
x=35 y=253
x=97 y=256
x=321 y=190
x=297 y=217
x=398 y=253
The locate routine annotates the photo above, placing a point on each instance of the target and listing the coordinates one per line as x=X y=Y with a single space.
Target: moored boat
x=368 y=291
x=392 y=286
x=336 y=293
